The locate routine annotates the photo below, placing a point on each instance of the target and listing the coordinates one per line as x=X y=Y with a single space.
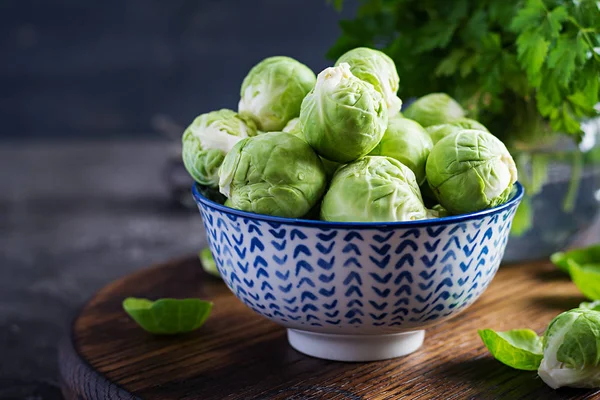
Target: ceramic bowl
x=357 y=291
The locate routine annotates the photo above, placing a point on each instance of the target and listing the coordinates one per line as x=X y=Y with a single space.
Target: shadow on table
x=557 y=302
x=503 y=382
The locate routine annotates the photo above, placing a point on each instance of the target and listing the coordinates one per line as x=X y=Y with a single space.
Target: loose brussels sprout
x=434 y=109
x=406 y=141
x=273 y=91
x=572 y=350
x=343 y=117
x=206 y=141
x=373 y=189
x=275 y=173
x=438 y=132
x=470 y=171
x=294 y=127
x=379 y=70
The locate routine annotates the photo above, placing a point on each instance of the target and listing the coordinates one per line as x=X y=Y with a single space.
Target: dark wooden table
x=73 y=218
x=238 y=355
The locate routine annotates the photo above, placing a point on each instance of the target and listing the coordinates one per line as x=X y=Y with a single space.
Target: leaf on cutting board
x=583 y=255
x=586 y=277
x=517 y=348
x=168 y=316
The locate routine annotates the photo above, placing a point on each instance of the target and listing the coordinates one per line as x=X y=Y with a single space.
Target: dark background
x=88 y=90
x=115 y=68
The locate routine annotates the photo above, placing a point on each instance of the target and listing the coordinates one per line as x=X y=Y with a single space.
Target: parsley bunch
x=523 y=68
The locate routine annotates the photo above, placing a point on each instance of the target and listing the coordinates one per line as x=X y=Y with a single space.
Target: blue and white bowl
x=357 y=291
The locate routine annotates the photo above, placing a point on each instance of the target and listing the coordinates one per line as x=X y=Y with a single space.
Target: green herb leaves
x=553 y=48
x=168 y=316
x=518 y=348
x=522 y=68
x=532 y=51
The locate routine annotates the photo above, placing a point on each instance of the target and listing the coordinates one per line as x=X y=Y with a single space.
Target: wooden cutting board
x=239 y=355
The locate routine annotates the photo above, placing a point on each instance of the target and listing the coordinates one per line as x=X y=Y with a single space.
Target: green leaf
x=337 y=4
x=208 y=262
x=586 y=277
x=554 y=20
x=517 y=348
x=583 y=255
x=528 y=16
x=168 y=316
x=549 y=97
x=594 y=305
x=476 y=26
x=468 y=64
x=589 y=83
x=459 y=10
x=502 y=12
x=435 y=36
x=561 y=59
x=581 y=102
x=449 y=65
x=532 y=49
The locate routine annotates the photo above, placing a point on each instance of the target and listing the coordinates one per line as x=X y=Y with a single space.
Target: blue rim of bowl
x=514 y=200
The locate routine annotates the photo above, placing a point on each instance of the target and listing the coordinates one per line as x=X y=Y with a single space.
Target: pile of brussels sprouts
x=336 y=147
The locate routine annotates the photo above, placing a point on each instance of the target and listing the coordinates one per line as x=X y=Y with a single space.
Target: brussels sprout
x=343 y=117
x=273 y=91
x=373 y=189
x=275 y=173
x=470 y=171
x=228 y=203
x=438 y=132
x=294 y=127
x=434 y=109
x=379 y=70
x=406 y=141
x=572 y=350
x=206 y=141
x=592 y=305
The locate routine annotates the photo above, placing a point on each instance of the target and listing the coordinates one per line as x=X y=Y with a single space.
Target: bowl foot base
x=353 y=348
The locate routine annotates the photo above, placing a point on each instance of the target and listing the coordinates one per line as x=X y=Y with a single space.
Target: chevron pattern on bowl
x=360 y=278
